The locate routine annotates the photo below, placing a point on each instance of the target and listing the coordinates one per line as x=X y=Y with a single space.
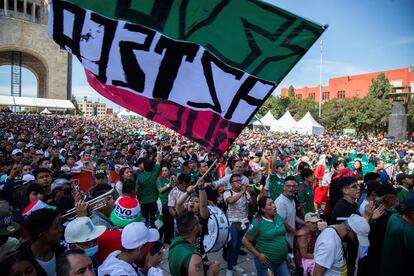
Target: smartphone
x=156 y=247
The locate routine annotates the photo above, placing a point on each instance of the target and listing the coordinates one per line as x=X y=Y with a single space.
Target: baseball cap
x=137 y=234
x=386 y=189
x=7 y=225
x=27 y=178
x=360 y=227
x=409 y=203
x=100 y=173
x=127 y=210
x=312 y=217
x=16 y=151
x=82 y=229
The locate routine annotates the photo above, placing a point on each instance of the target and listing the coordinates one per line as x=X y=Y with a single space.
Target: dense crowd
x=106 y=196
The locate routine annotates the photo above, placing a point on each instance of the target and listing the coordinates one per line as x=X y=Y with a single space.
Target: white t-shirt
x=328 y=253
x=286 y=208
x=48 y=266
x=362 y=207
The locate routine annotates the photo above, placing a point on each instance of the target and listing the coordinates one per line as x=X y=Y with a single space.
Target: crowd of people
x=106 y=196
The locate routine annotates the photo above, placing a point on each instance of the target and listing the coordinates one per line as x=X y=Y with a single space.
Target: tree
x=75 y=103
x=291 y=91
x=380 y=87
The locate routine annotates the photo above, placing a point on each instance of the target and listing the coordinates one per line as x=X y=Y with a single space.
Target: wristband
x=200 y=189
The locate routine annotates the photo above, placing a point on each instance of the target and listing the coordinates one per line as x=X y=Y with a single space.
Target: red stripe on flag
x=207 y=128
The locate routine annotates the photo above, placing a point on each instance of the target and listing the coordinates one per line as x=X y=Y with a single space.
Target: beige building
x=95 y=109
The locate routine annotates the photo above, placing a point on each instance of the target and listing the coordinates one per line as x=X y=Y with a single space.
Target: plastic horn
x=94 y=204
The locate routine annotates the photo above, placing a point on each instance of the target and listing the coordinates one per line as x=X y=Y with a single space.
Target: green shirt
x=305 y=197
x=398 y=249
x=179 y=256
x=276 y=186
x=146 y=185
x=270 y=238
x=162 y=182
x=403 y=194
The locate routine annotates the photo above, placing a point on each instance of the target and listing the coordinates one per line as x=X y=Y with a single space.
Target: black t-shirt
x=343 y=209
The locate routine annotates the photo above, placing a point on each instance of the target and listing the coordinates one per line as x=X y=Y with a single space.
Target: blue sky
x=363 y=36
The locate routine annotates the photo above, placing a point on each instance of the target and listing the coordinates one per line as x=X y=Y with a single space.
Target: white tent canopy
x=285 y=123
x=126 y=114
x=36 y=102
x=267 y=120
x=308 y=125
x=46 y=111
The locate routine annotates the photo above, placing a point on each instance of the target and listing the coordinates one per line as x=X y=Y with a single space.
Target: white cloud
x=402 y=41
x=331 y=68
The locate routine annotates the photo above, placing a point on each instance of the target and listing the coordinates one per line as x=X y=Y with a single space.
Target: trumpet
x=258 y=186
x=93 y=204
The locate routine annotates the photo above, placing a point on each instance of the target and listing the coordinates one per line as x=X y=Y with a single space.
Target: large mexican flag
x=200 y=67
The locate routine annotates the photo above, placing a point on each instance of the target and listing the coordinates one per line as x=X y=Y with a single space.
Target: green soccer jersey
x=403 y=194
x=270 y=238
x=146 y=185
x=276 y=186
x=179 y=256
x=305 y=196
x=162 y=182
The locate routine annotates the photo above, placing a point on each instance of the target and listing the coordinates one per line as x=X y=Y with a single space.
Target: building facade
x=355 y=86
x=94 y=109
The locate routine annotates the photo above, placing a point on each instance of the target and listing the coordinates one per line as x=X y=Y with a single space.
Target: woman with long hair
x=265 y=239
x=125 y=173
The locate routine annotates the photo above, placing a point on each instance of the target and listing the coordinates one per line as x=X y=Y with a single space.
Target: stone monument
x=24 y=43
x=398 y=120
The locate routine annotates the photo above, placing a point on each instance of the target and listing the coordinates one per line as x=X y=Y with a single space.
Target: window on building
x=325 y=96
x=299 y=96
x=341 y=94
x=311 y=96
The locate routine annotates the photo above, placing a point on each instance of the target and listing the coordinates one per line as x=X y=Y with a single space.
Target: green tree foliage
x=291 y=91
x=366 y=115
x=75 y=103
x=380 y=87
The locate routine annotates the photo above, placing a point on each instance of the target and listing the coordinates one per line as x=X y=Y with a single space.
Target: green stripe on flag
x=250 y=35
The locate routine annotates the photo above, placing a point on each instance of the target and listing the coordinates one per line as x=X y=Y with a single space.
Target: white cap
x=27 y=178
x=16 y=151
x=312 y=217
x=82 y=229
x=136 y=234
x=360 y=227
x=39 y=152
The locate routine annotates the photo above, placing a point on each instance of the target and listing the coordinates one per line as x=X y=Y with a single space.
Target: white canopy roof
x=267 y=120
x=124 y=113
x=308 y=125
x=285 y=123
x=36 y=102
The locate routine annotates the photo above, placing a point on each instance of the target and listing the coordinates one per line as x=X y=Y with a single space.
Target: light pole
x=320 y=82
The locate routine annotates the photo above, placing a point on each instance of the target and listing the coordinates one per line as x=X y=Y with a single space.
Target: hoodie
x=114 y=266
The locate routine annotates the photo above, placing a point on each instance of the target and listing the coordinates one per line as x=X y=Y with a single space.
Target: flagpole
x=320 y=82
x=271 y=135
